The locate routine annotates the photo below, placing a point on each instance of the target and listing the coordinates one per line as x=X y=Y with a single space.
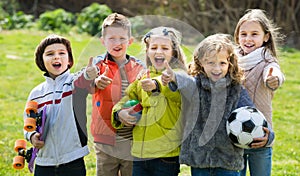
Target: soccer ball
x=137 y=110
x=244 y=124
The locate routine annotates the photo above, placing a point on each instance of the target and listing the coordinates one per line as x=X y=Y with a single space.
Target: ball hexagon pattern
x=244 y=124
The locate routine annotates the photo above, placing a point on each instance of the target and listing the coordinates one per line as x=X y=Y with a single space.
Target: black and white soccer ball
x=244 y=124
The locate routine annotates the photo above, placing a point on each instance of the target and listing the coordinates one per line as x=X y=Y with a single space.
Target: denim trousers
x=213 y=172
x=74 y=168
x=156 y=167
x=259 y=161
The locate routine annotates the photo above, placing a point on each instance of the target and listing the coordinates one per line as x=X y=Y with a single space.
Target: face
x=160 y=49
x=216 y=67
x=116 y=42
x=251 y=36
x=56 y=59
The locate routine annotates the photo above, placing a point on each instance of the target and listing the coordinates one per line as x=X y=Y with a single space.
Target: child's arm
x=268 y=139
x=245 y=99
x=179 y=81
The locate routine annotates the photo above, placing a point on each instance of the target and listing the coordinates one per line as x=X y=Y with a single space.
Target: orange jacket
x=104 y=100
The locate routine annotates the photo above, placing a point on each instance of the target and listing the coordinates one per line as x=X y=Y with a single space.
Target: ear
x=266 y=37
x=102 y=40
x=131 y=39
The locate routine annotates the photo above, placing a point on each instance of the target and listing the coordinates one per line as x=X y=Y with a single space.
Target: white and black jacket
x=65 y=98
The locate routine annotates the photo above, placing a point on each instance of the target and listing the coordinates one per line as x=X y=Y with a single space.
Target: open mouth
x=159 y=60
x=56 y=65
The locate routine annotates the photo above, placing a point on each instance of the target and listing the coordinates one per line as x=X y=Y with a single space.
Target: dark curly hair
x=49 y=40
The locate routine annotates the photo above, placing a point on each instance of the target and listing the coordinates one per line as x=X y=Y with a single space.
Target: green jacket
x=159 y=131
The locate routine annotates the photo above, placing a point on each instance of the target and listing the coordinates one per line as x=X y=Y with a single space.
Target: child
x=117 y=70
x=157 y=135
x=208 y=98
x=257 y=39
x=64 y=94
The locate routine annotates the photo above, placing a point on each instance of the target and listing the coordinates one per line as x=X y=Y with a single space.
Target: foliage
x=91 y=18
x=58 y=20
x=19 y=74
x=18 y=20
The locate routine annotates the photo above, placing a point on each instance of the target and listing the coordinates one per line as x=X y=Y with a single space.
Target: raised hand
x=167 y=75
x=103 y=80
x=272 y=81
x=92 y=71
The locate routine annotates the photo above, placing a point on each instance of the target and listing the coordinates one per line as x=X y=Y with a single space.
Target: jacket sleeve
x=271 y=136
x=245 y=99
x=186 y=85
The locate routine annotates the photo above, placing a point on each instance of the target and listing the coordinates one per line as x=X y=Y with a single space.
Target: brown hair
x=212 y=45
x=178 y=57
x=49 y=40
x=116 y=20
x=267 y=25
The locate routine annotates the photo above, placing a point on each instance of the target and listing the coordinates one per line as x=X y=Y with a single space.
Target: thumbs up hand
x=103 y=80
x=91 y=71
x=272 y=81
x=167 y=75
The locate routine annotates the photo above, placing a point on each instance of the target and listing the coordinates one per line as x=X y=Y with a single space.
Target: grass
x=19 y=74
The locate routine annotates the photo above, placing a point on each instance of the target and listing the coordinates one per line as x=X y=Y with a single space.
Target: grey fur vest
x=205 y=109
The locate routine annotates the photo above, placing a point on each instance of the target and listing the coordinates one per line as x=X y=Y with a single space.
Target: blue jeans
x=213 y=172
x=259 y=160
x=74 y=168
x=156 y=167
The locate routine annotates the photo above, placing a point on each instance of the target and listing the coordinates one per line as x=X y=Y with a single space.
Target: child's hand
x=103 y=81
x=148 y=84
x=262 y=141
x=126 y=118
x=92 y=71
x=272 y=81
x=36 y=142
x=167 y=75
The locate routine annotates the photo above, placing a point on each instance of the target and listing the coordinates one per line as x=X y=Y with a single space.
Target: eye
x=224 y=63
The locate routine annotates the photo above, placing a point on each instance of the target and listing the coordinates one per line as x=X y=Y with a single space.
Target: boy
x=117 y=71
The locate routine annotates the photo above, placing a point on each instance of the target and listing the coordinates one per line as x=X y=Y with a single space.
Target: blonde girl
x=157 y=135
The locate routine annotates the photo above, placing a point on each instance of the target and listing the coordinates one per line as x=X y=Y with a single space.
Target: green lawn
x=19 y=74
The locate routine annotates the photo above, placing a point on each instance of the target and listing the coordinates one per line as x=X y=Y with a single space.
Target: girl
x=257 y=40
x=208 y=98
x=157 y=135
x=64 y=93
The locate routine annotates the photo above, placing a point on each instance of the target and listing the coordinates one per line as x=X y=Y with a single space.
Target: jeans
x=156 y=167
x=213 y=172
x=259 y=160
x=74 y=168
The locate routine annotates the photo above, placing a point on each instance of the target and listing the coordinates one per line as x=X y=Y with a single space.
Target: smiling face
x=56 y=59
x=116 y=41
x=251 y=36
x=216 y=66
x=159 y=50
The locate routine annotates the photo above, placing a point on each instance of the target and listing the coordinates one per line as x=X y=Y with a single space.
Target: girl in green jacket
x=157 y=134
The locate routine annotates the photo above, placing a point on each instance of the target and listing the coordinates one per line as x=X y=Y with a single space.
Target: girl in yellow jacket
x=157 y=134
